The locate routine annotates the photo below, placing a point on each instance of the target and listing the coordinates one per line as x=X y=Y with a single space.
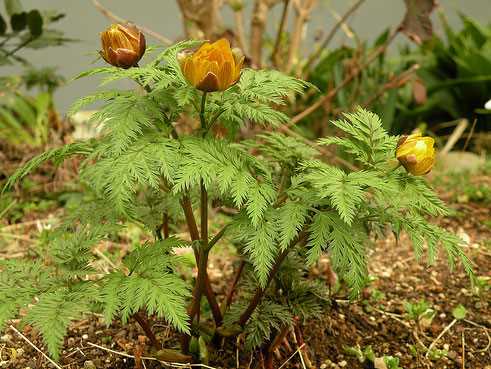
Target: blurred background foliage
x=452 y=79
x=27 y=110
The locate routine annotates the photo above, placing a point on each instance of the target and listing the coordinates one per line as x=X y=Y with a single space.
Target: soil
x=377 y=319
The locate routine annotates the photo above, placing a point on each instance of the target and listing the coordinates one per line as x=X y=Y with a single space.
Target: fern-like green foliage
x=53 y=313
x=254 y=97
x=267 y=318
x=368 y=142
x=235 y=173
x=57 y=155
x=149 y=284
x=118 y=177
x=20 y=282
x=289 y=300
x=159 y=293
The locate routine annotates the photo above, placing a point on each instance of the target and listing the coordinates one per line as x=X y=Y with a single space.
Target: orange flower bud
x=416 y=153
x=213 y=67
x=123 y=45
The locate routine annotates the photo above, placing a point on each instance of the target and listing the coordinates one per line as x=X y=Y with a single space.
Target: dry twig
x=485 y=329
x=166 y=363
x=394 y=82
x=455 y=136
x=470 y=134
x=313 y=57
x=276 y=49
x=442 y=333
x=463 y=350
x=298 y=351
x=35 y=347
x=258 y=26
x=303 y=8
x=115 y=18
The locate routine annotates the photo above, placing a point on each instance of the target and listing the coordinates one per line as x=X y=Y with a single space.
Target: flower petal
x=226 y=76
x=125 y=58
x=209 y=83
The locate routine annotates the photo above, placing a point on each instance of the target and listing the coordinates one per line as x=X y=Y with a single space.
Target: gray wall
x=84 y=22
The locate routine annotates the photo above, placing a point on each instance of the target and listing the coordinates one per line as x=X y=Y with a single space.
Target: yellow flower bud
x=416 y=153
x=123 y=45
x=213 y=67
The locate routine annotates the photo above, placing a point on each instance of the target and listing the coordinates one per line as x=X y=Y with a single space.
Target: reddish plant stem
x=200 y=282
x=215 y=308
x=147 y=329
x=203 y=250
x=138 y=352
x=259 y=294
x=188 y=214
x=268 y=359
x=204 y=216
x=165 y=225
x=230 y=293
x=205 y=246
x=208 y=290
x=301 y=344
x=194 y=233
x=278 y=340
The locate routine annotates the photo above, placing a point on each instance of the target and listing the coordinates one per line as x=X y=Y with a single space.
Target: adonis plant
x=196 y=144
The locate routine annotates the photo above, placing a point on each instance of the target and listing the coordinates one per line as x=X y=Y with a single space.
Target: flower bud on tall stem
x=123 y=45
x=416 y=153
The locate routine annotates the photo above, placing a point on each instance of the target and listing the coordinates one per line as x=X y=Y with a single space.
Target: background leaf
x=13 y=7
x=35 y=23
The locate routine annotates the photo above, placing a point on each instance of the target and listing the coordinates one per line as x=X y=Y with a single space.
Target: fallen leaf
x=417 y=23
x=379 y=363
x=419 y=92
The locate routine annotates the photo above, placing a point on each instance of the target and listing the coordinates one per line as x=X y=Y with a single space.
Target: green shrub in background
x=456 y=73
x=450 y=79
x=27 y=119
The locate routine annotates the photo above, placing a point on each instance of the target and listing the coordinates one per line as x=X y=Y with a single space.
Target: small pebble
x=85 y=337
x=89 y=364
